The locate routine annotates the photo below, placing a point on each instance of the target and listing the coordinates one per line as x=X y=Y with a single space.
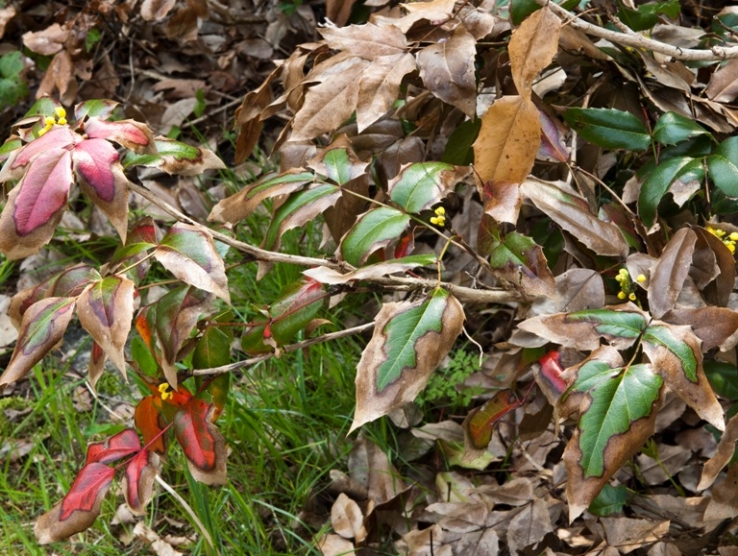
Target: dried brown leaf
x=334 y=545
x=367 y=41
x=670 y=271
x=156 y=10
x=629 y=534
x=532 y=48
x=723 y=84
x=379 y=87
x=725 y=451
x=529 y=526
x=48 y=41
x=447 y=70
x=347 y=519
x=712 y=325
x=505 y=151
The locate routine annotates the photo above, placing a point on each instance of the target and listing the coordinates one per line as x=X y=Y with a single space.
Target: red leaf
x=128 y=133
x=149 y=423
x=92 y=479
x=114 y=448
x=480 y=421
x=97 y=364
x=58 y=138
x=551 y=370
x=93 y=159
x=79 y=508
x=202 y=442
x=44 y=190
x=138 y=482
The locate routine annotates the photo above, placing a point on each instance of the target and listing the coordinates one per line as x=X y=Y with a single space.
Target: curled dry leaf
x=670 y=271
x=410 y=340
x=347 y=519
x=725 y=451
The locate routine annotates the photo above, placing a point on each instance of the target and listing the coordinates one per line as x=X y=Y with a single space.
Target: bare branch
x=631 y=38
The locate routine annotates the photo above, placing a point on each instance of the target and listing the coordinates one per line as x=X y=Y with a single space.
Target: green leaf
x=610 y=500
x=521 y=9
x=141 y=354
x=374 y=230
x=11 y=64
x=658 y=182
x=96 y=108
x=621 y=324
x=176 y=157
x=421 y=185
x=410 y=340
x=459 y=149
x=723 y=167
x=662 y=336
x=723 y=377
x=673 y=128
x=616 y=403
x=299 y=209
x=213 y=349
x=609 y=128
x=480 y=422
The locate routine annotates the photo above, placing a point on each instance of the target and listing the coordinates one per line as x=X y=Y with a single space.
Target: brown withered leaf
x=379 y=87
x=725 y=279
x=670 y=271
x=59 y=77
x=577 y=289
x=47 y=42
x=335 y=545
x=447 y=70
x=529 y=526
x=367 y=41
x=249 y=116
x=532 y=48
x=410 y=340
x=339 y=11
x=156 y=10
x=724 y=501
x=723 y=84
x=725 y=451
x=435 y=10
x=6 y=14
x=570 y=211
x=330 y=103
x=505 y=151
x=370 y=467
x=712 y=325
x=629 y=534
x=676 y=355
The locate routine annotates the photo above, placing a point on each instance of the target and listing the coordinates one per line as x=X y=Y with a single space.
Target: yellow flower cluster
x=729 y=241
x=50 y=121
x=164 y=389
x=440 y=218
x=627 y=290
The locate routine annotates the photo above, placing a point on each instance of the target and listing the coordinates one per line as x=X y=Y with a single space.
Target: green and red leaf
x=201 y=441
x=105 y=310
x=189 y=253
x=410 y=340
x=42 y=327
x=78 y=510
x=177 y=313
x=175 y=157
x=480 y=422
x=519 y=260
x=141 y=238
x=130 y=134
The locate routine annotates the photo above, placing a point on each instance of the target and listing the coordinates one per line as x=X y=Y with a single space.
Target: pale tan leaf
x=480 y=543
x=712 y=325
x=6 y=14
x=347 y=519
x=671 y=460
x=335 y=545
x=725 y=451
x=330 y=103
x=577 y=289
x=435 y=10
x=505 y=151
x=571 y=212
x=59 y=77
x=447 y=70
x=629 y=534
x=532 y=48
x=46 y=42
x=724 y=502
x=379 y=87
x=670 y=271
x=370 y=467
x=156 y=10
x=529 y=526
x=366 y=41
x=339 y=11
x=326 y=275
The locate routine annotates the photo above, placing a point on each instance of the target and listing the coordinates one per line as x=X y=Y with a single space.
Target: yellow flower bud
x=440 y=211
x=60 y=112
x=720 y=233
x=621 y=295
x=42 y=131
x=49 y=121
x=731 y=247
x=632 y=297
x=733 y=236
x=641 y=278
x=62 y=121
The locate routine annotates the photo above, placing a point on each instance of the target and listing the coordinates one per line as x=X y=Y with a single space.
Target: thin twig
x=292 y=347
x=631 y=38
